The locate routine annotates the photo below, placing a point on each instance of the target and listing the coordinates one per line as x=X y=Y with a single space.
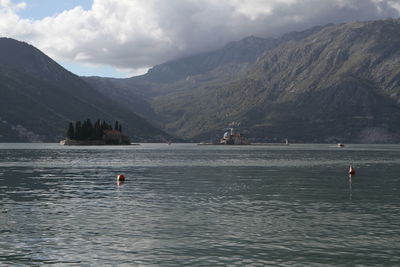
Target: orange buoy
x=120 y=178
x=352 y=171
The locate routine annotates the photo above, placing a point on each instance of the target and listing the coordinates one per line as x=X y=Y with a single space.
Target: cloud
x=7 y=5
x=137 y=34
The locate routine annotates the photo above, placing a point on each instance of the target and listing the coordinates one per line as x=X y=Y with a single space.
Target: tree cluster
x=86 y=130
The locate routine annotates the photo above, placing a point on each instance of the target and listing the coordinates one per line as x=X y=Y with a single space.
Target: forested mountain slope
x=38 y=98
x=328 y=84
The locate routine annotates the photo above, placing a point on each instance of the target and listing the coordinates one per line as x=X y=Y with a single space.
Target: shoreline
x=69 y=142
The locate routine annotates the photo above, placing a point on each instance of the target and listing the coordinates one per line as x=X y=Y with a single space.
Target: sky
x=123 y=38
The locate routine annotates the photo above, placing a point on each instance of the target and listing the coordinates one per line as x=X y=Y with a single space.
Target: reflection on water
x=350 y=187
x=199 y=205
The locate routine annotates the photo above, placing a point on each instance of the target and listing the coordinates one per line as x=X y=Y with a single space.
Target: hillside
x=39 y=98
x=338 y=83
x=185 y=74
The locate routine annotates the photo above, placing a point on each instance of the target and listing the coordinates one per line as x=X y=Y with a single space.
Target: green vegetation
x=87 y=131
x=38 y=97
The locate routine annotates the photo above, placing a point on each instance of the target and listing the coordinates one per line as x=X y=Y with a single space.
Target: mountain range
x=38 y=98
x=333 y=83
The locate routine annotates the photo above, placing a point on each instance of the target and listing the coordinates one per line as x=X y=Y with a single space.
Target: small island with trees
x=99 y=133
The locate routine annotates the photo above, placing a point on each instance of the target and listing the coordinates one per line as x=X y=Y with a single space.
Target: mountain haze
x=183 y=75
x=336 y=83
x=39 y=97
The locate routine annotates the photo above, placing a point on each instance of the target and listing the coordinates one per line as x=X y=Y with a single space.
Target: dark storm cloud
x=135 y=34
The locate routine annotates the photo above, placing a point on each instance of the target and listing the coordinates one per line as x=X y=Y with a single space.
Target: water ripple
x=199 y=206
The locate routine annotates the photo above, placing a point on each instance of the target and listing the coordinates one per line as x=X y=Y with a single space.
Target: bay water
x=190 y=205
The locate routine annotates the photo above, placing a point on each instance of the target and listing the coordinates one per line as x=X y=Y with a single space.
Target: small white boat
x=352 y=171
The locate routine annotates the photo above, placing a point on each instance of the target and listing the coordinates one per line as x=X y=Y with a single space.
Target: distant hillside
x=182 y=75
x=337 y=83
x=39 y=98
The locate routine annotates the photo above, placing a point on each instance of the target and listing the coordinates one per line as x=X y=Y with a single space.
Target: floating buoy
x=120 y=178
x=352 y=171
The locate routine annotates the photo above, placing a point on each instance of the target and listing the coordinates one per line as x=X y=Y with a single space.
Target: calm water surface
x=189 y=205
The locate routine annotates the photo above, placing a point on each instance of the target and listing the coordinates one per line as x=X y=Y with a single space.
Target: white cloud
x=7 y=5
x=395 y=4
x=257 y=8
x=136 y=34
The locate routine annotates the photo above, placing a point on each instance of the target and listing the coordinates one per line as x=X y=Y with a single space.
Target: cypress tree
x=104 y=125
x=70 y=132
x=90 y=131
x=85 y=130
x=78 y=130
x=98 y=131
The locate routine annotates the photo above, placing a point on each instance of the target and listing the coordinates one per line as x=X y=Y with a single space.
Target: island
x=99 y=133
x=230 y=137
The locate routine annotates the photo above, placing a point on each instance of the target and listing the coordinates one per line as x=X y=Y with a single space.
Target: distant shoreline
x=69 y=142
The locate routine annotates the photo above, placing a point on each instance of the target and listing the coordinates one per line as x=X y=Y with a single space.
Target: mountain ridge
x=332 y=83
x=223 y=63
x=326 y=84
x=39 y=98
